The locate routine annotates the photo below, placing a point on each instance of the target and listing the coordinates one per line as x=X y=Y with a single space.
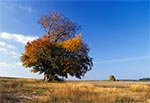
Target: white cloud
x=4 y=44
x=17 y=37
x=9 y=53
x=123 y=59
x=6 y=48
x=14 y=54
x=18 y=64
x=26 y=8
x=6 y=64
x=3 y=50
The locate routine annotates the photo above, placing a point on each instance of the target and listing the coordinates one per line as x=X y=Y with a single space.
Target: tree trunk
x=49 y=78
x=46 y=77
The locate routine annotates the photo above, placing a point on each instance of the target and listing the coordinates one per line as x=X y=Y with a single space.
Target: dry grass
x=36 y=91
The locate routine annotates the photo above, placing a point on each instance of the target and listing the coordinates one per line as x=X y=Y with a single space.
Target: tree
x=57 y=57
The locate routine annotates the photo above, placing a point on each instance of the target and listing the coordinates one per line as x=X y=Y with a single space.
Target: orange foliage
x=57 y=59
x=72 y=44
x=35 y=49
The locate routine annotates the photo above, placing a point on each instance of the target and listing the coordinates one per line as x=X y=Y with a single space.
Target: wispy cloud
x=14 y=54
x=9 y=52
x=3 y=50
x=27 y=8
x=17 y=37
x=6 y=64
x=4 y=44
x=6 y=48
x=122 y=59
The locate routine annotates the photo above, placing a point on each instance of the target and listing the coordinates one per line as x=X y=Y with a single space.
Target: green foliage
x=112 y=78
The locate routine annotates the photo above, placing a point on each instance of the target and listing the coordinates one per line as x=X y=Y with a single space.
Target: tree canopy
x=59 y=53
x=58 y=27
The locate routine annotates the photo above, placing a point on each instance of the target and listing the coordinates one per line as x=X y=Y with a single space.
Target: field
x=18 y=90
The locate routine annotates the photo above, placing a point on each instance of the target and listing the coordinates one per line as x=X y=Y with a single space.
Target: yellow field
x=36 y=91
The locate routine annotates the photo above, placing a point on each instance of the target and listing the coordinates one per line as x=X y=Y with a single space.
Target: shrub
x=112 y=78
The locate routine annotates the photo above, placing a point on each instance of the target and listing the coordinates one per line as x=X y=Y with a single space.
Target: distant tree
x=112 y=78
x=59 y=53
x=144 y=79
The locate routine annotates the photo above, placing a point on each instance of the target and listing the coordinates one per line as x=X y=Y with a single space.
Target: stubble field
x=18 y=90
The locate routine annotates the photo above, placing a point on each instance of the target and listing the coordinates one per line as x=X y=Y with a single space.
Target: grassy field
x=17 y=90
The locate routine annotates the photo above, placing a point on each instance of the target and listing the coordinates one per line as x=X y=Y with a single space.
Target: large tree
x=59 y=53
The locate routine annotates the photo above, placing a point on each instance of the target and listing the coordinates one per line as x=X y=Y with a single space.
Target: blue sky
x=116 y=31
